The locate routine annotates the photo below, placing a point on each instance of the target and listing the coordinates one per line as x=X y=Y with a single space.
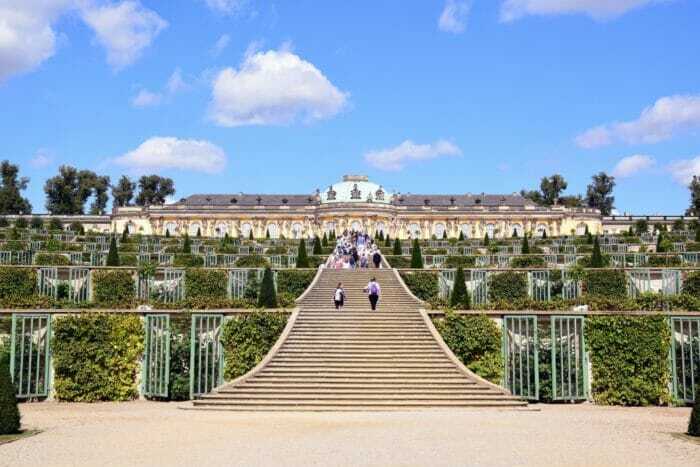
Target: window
x=221 y=230
x=541 y=230
x=356 y=226
x=355 y=193
x=439 y=230
x=581 y=229
x=297 y=230
x=170 y=228
x=517 y=228
x=194 y=227
x=246 y=228
x=466 y=230
x=380 y=227
x=414 y=230
x=490 y=230
x=273 y=230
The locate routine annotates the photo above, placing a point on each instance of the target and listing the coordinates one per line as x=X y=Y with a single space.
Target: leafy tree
x=598 y=193
x=678 y=225
x=572 y=201
x=67 y=192
x=113 y=254
x=694 y=187
x=77 y=228
x=533 y=195
x=55 y=224
x=11 y=200
x=641 y=226
x=416 y=256
x=525 y=249
x=267 y=298
x=317 y=246
x=398 y=251
x=9 y=412
x=302 y=257
x=153 y=189
x=36 y=222
x=4 y=222
x=697 y=235
x=460 y=296
x=100 y=185
x=187 y=245
x=123 y=191
x=597 y=256
x=551 y=187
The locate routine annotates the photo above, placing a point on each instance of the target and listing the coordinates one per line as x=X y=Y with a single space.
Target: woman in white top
x=339 y=297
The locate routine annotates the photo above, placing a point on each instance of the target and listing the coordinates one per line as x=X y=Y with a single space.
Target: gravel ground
x=153 y=434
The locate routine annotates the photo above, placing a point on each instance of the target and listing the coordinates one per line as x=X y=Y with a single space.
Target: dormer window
x=330 y=195
x=259 y=200
x=208 y=199
x=477 y=201
x=379 y=194
x=452 y=201
x=234 y=200
x=355 y=193
x=426 y=201
x=285 y=200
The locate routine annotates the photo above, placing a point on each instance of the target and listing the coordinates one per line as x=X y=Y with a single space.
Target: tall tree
x=67 y=192
x=459 y=298
x=11 y=200
x=302 y=257
x=113 y=254
x=100 y=185
x=267 y=298
x=123 y=191
x=694 y=187
x=153 y=189
x=598 y=193
x=551 y=187
x=416 y=256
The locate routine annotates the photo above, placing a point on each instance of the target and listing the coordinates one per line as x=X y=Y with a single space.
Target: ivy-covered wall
x=507 y=286
x=114 y=288
x=606 y=283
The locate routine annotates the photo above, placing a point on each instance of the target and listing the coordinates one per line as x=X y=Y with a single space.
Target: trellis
x=79 y=285
x=156 y=366
x=206 y=353
x=98 y=259
x=685 y=358
x=521 y=376
x=571 y=287
x=446 y=281
x=540 y=287
x=569 y=370
x=30 y=354
x=47 y=281
x=173 y=289
x=638 y=282
x=478 y=287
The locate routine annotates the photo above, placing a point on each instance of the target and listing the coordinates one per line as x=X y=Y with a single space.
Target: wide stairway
x=357 y=359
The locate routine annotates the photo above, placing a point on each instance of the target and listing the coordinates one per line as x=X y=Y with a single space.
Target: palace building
x=360 y=204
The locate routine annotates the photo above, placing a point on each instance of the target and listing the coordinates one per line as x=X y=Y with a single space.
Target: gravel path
x=154 y=434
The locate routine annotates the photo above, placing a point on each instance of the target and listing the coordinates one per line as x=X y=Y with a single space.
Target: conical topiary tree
x=267 y=298
x=387 y=240
x=397 y=247
x=659 y=243
x=125 y=234
x=460 y=296
x=113 y=254
x=187 y=245
x=444 y=234
x=324 y=240
x=317 y=246
x=694 y=424
x=416 y=256
x=486 y=239
x=167 y=233
x=461 y=236
x=515 y=233
x=267 y=234
x=199 y=232
x=526 y=246
x=697 y=235
x=302 y=257
x=381 y=235
x=597 y=256
x=544 y=234
x=250 y=235
x=9 y=412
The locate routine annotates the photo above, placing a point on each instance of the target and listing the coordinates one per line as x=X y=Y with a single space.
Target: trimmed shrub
x=629 y=358
x=46 y=259
x=460 y=296
x=302 y=257
x=606 y=283
x=21 y=223
x=398 y=262
x=527 y=262
x=460 y=261
x=476 y=341
x=398 y=250
x=96 y=357
x=206 y=283
x=416 y=256
x=252 y=261
x=114 y=288
x=113 y=254
x=247 y=339
x=694 y=423
x=267 y=298
x=16 y=282
x=55 y=224
x=187 y=245
x=597 y=256
x=36 y=222
x=691 y=284
x=9 y=412
x=318 y=250
x=179 y=385
x=424 y=285
x=507 y=286
x=188 y=261
x=294 y=282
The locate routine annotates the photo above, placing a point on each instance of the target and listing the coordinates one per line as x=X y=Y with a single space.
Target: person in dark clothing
x=376 y=259
x=373 y=290
x=339 y=297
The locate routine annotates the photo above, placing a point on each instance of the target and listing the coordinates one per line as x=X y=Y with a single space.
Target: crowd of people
x=355 y=250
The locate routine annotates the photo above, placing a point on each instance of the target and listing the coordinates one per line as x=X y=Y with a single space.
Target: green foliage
x=179 y=388
x=302 y=257
x=694 y=423
x=9 y=412
x=96 y=357
x=507 y=285
x=691 y=284
x=46 y=259
x=476 y=341
x=125 y=235
x=294 y=282
x=606 y=283
x=398 y=262
x=247 y=339
x=525 y=249
x=416 y=256
x=318 y=250
x=21 y=223
x=597 y=257
x=113 y=254
x=629 y=358
x=398 y=250
x=77 y=228
x=4 y=222
x=187 y=245
x=527 y=262
x=267 y=298
x=207 y=283
x=55 y=224
x=114 y=288
x=16 y=282
x=423 y=285
x=486 y=239
x=460 y=296
x=36 y=222
x=252 y=261
x=324 y=240
x=188 y=261
x=460 y=261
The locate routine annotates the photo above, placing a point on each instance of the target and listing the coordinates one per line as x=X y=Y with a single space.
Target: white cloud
x=175 y=83
x=275 y=87
x=226 y=6
x=628 y=166
x=396 y=158
x=454 y=16
x=146 y=98
x=512 y=10
x=683 y=171
x=27 y=37
x=41 y=160
x=666 y=118
x=125 y=29
x=172 y=153
x=221 y=43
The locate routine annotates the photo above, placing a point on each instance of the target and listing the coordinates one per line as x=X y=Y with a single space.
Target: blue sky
x=431 y=96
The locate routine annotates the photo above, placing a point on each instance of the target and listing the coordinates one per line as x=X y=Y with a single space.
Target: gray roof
x=240 y=199
x=471 y=200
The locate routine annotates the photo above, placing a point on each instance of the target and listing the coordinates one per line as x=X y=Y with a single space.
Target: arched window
x=221 y=229
x=246 y=228
x=466 y=230
x=356 y=226
x=170 y=228
x=517 y=228
x=297 y=230
x=439 y=230
x=380 y=227
x=329 y=227
x=194 y=227
x=542 y=229
x=414 y=230
x=581 y=229
x=490 y=230
x=131 y=227
x=273 y=230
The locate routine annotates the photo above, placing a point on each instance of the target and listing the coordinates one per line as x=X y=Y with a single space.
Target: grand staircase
x=390 y=359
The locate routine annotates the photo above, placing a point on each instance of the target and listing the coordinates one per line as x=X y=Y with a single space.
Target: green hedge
x=115 y=288
x=527 y=262
x=294 y=282
x=252 y=261
x=424 y=285
x=455 y=262
x=248 y=338
x=96 y=357
x=508 y=285
x=606 y=283
x=399 y=262
x=691 y=284
x=206 y=283
x=476 y=341
x=16 y=282
x=629 y=357
x=47 y=259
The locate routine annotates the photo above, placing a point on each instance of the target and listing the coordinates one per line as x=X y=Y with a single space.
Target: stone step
x=334 y=405
x=278 y=389
x=373 y=382
x=301 y=397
